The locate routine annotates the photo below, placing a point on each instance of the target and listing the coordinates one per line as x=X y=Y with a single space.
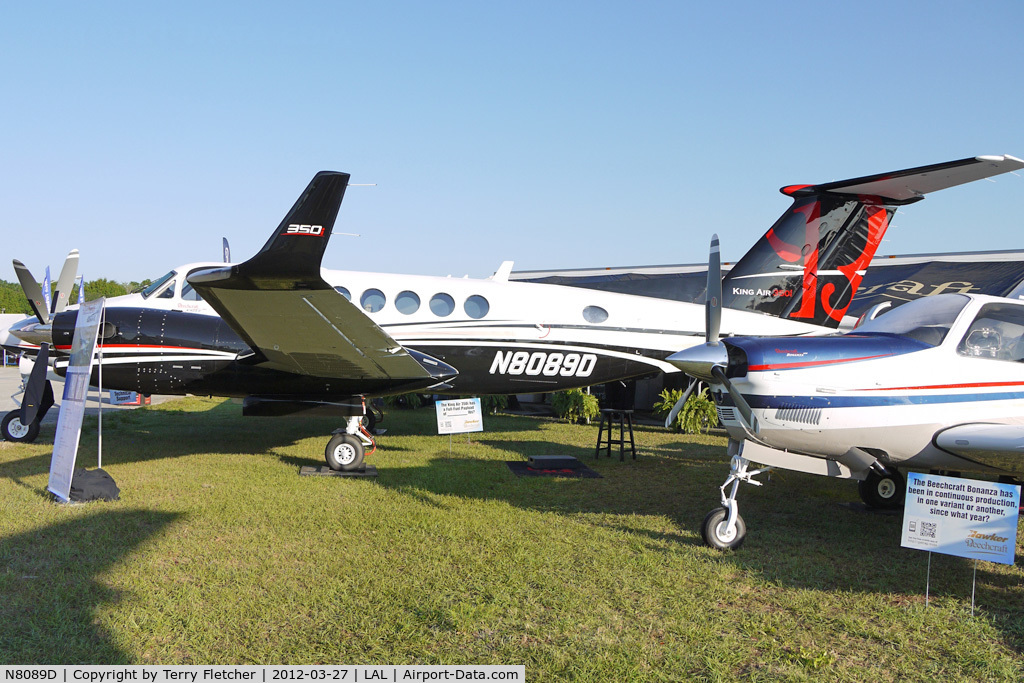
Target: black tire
x=344 y=453
x=13 y=430
x=712 y=530
x=369 y=420
x=883 y=491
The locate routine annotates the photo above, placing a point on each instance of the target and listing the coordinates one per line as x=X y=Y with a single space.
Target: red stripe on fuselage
x=810 y=363
x=965 y=385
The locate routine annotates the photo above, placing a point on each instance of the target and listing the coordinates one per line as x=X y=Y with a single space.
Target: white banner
x=72 y=405
x=962 y=517
x=459 y=416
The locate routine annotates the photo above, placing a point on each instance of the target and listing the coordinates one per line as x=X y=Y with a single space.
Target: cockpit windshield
x=927 y=319
x=157 y=284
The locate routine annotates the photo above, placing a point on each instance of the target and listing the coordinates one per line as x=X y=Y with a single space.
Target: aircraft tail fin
x=291 y=257
x=808 y=265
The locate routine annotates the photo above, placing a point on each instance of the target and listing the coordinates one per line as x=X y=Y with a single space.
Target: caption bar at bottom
x=259 y=674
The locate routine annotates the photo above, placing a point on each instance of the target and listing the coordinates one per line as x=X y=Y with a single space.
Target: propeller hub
x=33 y=332
x=697 y=361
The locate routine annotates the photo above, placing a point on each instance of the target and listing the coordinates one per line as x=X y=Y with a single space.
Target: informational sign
x=72 y=405
x=962 y=517
x=459 y=416
x=126 y=398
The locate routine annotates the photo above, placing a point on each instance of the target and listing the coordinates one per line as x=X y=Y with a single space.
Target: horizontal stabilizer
x=913 y=183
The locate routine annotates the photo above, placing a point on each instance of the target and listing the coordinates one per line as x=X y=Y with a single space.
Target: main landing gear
x=346 y=449
x=13 y=430
x=883 y=490
x=723 y=528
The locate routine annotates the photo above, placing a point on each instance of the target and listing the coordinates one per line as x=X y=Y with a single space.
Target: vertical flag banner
x=72 y=405
x=46 y=291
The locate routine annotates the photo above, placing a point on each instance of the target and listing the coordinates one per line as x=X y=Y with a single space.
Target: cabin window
x=442 y=304
x=168 y=293
x=372 y=300
x=344 y=292
x=407 y=302
x=476 y=307
x=997 y=332
x=148 y=291
x=595 y=314
x=188 y=293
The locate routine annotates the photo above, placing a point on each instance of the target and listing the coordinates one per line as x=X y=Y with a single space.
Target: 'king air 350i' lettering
x=288 y=336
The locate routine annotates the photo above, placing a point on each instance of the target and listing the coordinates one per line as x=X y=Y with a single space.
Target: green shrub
x=493 y=403
x=411 y=400
x=574 y=405
x=697 y=415
x=667 y=399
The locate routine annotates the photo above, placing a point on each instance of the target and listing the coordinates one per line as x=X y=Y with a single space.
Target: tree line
x=12 y=299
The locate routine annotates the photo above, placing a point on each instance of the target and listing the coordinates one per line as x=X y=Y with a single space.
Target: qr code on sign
x=928 y=529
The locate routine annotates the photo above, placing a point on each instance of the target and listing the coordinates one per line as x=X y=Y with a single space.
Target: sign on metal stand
x=72 y=405
x=459 y=416
x=961 y=517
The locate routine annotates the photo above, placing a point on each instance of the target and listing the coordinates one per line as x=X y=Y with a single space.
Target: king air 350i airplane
x=287 y=336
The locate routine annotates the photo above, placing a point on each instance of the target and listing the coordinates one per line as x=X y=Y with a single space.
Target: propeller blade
x=33 y=292
x=38 y=392
x=679 y=404
x=737 y=398
x=65 y=282
x=713 y=300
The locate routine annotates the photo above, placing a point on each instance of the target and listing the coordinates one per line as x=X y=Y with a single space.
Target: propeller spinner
x=709 y=361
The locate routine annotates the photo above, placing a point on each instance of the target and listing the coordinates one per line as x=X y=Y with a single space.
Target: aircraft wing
x=997 y=445
x=281 y=306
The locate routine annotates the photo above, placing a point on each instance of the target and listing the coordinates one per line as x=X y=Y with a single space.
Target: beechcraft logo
x=297 y=229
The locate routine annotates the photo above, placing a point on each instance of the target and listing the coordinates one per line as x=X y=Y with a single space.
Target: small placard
x=459 y=416
x=962 y=517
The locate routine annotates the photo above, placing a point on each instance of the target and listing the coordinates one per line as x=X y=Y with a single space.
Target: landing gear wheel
x=13 y=430
x=369 y=420
x=344 y=453
x=713 y=530
x=882 y=491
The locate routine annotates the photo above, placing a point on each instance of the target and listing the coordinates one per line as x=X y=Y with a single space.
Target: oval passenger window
x=407 y=302
x=372 y=300
x=442 y=305
x=595 y=314
x=344 y=292
x=476 y=307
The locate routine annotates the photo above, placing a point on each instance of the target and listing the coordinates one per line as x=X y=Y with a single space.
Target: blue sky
x=560 y=135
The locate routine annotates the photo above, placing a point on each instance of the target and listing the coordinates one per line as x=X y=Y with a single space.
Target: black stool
x=609 y=416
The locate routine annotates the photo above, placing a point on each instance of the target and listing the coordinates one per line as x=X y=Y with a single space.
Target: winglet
x=291 y=257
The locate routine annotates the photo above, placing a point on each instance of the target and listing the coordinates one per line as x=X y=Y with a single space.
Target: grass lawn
x=218 y=552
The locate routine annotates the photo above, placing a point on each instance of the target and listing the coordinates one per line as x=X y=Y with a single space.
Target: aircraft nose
x=697 y=361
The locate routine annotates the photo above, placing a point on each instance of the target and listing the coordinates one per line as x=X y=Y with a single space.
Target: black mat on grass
x=523 y=469
x=325 y=471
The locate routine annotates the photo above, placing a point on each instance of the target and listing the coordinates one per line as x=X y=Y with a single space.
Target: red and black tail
x=809 y=264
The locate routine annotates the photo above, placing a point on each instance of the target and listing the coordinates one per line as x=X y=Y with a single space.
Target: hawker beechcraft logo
x=302 y=229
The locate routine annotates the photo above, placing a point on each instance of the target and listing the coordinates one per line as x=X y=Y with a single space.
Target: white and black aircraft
x=287 y=336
